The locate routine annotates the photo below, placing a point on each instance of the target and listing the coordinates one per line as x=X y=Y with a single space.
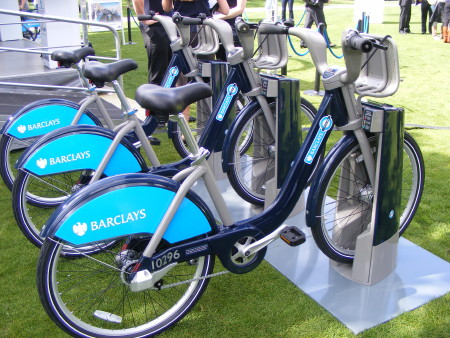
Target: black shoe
x=332 y=45
x=192 y=119
x=303 y=45
x=407 y=31
x=154 y=141
x=289 y=23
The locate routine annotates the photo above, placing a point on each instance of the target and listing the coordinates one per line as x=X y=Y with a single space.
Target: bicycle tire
x=32 y=212
x=355 y=208
x=82 y=301
x=11 y=149
x=247 y=173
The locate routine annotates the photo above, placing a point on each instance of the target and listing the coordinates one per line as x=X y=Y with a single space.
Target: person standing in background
x=156 y=41
x=437 y=17
x=315 y=14
x=157 y=45
x=446 y=22
x=291 y=10
x=192 y=8
x=405 y=16
x=237 y=7
x=425 y=9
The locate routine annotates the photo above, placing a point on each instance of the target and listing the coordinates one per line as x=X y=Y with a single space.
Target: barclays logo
x=80 y=229
x=42 y=163
x=325 y=124
x=21 y=129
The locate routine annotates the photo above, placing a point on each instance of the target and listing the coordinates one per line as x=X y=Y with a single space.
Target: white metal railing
x=50 y=18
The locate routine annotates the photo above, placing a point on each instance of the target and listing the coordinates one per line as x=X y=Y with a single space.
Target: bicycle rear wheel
x=35 y=198
x=11 y=149
x=252 y=156
x=90 y=296
x=344 y=211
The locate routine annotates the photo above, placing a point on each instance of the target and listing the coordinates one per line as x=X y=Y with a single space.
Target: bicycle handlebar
x=188 y=21
x=221 y=27
x=177 y=40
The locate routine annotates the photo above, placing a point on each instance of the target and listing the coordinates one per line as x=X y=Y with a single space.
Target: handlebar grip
x=145 y=17
x=358 y=42
x=242 y=26
x=265 y=28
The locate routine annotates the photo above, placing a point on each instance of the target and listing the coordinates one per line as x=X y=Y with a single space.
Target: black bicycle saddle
x=99 y=73
x=67 y=58
x=171 y=100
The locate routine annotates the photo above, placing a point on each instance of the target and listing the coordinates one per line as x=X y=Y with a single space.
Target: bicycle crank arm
x=263 y=242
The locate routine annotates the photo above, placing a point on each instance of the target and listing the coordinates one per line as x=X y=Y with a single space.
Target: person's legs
x=283 y=10
x=424 y=8
x=159 y=54
x=309 y=19
x=402 y=21
x=430 y=12
x=408 y=18
x=291 y=9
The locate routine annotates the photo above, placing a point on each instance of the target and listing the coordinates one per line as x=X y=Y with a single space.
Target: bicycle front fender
x=248 y=109
x=41 y=117
x=128 y=205
x=313 y=197
x=79 y=148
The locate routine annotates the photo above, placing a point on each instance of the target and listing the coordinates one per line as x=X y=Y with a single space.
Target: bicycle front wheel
x=90 y=296
x=253 y=150
x=202 y=114
x=341 y=212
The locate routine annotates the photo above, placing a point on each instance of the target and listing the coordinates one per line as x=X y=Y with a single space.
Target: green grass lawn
x=263 y=303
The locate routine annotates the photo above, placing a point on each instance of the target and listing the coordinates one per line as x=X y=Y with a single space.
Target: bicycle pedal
x=293 y=236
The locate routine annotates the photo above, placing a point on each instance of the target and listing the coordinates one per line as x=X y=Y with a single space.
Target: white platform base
x=418 y=278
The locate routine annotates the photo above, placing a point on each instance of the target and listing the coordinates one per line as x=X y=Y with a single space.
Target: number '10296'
x=164 y=260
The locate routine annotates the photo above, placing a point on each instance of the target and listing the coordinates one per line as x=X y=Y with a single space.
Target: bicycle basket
x=208 y=41
x=273 y=52
x=380 y=75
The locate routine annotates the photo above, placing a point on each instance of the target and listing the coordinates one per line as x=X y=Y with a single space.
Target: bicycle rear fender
x=78 y=148
x=319 y=176
x=125 y=205
x=41 y=117
x=248 y=109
